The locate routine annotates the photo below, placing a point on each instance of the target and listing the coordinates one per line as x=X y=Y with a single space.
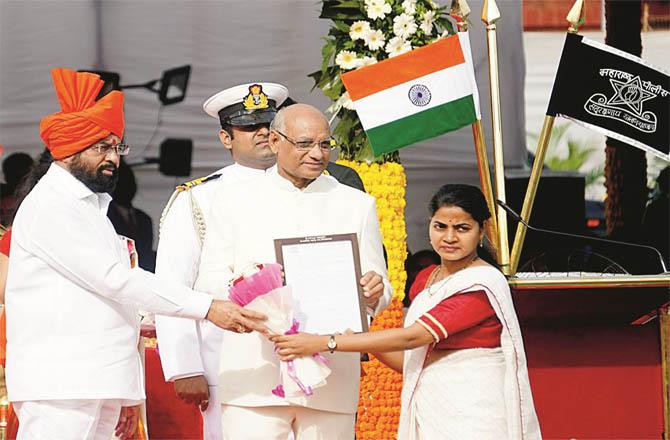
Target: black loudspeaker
x=175 y=157
x=559 y=206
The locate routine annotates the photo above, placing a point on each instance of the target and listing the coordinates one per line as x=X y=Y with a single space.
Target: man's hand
x=230 y=316
x=126 y=428
x=373 y=288
x=194 y=390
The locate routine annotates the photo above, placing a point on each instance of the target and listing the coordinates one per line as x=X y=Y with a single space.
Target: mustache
x=109 y=166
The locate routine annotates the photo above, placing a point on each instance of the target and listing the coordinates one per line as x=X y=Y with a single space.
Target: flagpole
x=490 y=15
x=485 y=182
x=461 y=10
x=576 y=18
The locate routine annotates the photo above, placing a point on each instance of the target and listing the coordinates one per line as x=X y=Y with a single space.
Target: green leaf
x=327 y=53
x=341 y=26
x=342 y=10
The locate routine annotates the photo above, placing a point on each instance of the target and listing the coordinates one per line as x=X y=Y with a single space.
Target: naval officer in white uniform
x=190 y=350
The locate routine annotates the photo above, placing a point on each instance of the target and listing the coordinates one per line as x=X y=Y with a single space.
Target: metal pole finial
x=490 y=12
x=460 y=10
x=577 y=16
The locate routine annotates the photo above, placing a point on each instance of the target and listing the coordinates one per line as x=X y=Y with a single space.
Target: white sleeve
x=372 y=255
x=81 y=252
x=177 y=259
x=217 y=257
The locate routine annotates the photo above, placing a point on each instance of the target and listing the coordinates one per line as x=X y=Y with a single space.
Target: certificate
x=324 y=273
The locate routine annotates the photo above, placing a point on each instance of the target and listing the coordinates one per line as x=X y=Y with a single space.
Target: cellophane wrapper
x=262 y=292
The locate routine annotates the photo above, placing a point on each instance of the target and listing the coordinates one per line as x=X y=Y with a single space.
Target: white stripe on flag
x=621 y=137
x=393 y=103
x=622 y=54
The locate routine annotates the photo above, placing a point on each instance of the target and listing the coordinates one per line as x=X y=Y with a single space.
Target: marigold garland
x=379 y=401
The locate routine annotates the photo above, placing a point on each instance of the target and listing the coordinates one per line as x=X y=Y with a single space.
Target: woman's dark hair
x=471 y=200
x=40 y=167
x=467 y=197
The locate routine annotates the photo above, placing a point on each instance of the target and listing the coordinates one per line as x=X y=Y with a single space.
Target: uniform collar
x=71 y=185
x=244 y=170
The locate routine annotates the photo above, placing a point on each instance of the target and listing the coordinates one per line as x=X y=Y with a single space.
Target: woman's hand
x=298 y=345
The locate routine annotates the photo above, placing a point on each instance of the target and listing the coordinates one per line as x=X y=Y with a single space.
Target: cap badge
x=256 y=99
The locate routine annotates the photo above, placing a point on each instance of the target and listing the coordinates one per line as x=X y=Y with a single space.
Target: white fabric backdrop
x=227 y=42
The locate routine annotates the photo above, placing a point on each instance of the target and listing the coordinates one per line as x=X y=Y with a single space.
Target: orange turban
x=82 y=120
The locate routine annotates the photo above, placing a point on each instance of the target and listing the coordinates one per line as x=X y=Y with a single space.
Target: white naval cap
x=246 y=104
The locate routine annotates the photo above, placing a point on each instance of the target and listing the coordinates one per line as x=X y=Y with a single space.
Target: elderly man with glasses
x=295 y=200
x=190 y=350
x=73 y=292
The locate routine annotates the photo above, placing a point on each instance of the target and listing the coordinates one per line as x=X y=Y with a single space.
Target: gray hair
x=278 y=123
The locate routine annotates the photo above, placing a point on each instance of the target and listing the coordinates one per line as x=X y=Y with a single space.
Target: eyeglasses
x=325 y=145
x=104 y=149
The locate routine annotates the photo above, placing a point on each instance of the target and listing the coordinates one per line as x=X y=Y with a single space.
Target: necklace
x=432 y=279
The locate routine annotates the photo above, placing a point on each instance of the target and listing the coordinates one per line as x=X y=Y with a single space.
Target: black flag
x=614 y=93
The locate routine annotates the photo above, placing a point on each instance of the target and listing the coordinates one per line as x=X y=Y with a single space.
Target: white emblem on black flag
x=625 y=105
x=614 y=93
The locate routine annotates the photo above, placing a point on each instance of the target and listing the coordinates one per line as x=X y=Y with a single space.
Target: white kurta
x=72 y=298
x=256 y=213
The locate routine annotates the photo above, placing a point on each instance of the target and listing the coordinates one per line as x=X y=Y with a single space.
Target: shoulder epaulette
x=195 y=182
x=326 y=173
x=196 y=213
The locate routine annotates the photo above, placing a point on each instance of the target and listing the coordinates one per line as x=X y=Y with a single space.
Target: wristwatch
x=332 y=343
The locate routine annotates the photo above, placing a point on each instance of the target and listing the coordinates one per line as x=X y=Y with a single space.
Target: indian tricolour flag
x=417 y=95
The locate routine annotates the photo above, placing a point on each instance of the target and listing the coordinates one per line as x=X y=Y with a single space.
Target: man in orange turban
x=84 y=122
x=72 y=292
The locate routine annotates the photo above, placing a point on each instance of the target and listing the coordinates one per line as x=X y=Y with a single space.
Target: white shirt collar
x=322 y=183
x=71 y=185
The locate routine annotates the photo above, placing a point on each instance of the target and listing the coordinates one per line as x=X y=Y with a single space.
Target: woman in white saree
x=461 y=351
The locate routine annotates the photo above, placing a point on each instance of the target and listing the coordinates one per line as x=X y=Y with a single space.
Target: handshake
x=230 y=316
x=256 y=288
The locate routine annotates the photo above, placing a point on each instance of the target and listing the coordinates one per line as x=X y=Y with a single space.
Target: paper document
x=324 y=274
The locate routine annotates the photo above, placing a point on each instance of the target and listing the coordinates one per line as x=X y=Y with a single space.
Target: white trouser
x=278 y=422
x=67 y=419
x=211 y=419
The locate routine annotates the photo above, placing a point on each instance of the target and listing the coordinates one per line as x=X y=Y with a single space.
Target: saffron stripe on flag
x=406 y=67
x=395 y=103
x=424 y=125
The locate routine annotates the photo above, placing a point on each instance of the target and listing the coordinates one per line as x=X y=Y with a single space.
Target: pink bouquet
x=261 y=289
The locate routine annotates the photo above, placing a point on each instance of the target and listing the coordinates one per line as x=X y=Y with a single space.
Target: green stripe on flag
x=423 y=125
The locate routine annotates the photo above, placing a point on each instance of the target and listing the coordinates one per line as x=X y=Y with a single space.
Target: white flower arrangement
x=374 y=39
x=397 y=46
x=377 y=9
x=367 y=61
x=347 y=60
x=404 y=25
x=427 y=22
x=364 y=32
x=409 y=6
x=359 y=29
